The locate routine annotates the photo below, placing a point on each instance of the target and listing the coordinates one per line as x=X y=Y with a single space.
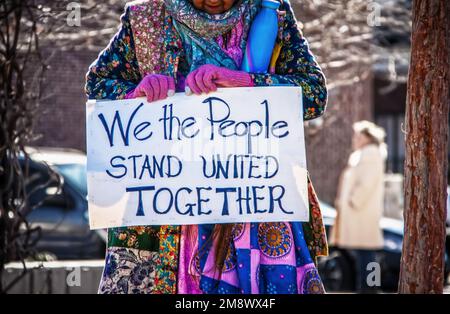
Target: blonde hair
x=374 y=132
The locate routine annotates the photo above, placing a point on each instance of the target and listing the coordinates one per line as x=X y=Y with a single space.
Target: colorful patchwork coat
x=264 y=257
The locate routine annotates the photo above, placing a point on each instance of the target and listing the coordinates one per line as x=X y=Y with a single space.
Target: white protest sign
x=235 y=155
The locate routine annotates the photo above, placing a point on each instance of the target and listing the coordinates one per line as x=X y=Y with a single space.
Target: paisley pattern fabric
x=263 y=258
x=230 y=42
x=198 y=31
x=206 y=25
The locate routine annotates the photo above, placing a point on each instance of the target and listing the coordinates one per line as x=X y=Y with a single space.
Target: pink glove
x=208 y=77
x=154 y=86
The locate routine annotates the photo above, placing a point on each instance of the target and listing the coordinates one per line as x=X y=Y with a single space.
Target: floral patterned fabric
x=314 y=230
x=116 y=71
x=129 y=270
x=198 y=31
x=141 y=259
x=146 y=21
x=148 y=42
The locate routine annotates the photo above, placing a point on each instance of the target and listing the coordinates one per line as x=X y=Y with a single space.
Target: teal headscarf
x=198 y=30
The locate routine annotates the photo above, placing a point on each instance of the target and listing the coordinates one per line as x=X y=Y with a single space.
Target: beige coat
x=359 y=202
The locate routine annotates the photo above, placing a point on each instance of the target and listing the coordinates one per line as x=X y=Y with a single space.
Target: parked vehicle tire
x=336 y=271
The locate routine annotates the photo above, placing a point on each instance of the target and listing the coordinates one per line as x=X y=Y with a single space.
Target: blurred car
x=338 y=269
x=61 y=209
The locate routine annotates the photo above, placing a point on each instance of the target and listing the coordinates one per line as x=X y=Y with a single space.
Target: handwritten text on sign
x=236 y=155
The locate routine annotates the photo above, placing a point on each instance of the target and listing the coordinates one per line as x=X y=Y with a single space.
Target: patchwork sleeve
x=297 y=66
x=115 y=71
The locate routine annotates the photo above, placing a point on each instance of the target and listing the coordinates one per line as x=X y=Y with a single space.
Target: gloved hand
x=154 y=86
x=208 y=77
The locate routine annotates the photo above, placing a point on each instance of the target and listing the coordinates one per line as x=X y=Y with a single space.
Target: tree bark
x=427 y=113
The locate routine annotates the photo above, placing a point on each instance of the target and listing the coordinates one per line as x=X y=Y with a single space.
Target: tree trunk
x=427 y=112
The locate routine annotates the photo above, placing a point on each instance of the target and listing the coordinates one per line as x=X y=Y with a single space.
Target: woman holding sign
x=195 y=46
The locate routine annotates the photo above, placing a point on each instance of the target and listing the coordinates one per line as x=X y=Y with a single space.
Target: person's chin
x=214 y=10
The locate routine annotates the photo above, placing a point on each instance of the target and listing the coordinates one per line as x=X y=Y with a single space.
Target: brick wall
x=328 y=149
x=61 y=122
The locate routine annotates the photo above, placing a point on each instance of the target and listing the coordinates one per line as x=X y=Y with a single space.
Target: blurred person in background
x=359 y=200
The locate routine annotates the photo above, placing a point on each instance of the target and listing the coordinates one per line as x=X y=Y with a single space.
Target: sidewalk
x=57 y=277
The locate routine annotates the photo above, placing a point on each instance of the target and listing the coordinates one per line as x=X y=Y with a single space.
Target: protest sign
x=235 y=155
